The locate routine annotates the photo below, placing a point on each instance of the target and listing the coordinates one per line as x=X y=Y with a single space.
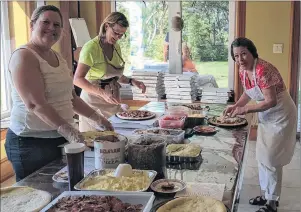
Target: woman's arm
x=136 y=83
x=270 y=100
x=80 y=81
x=243 y=100
x=97 y=120
x=80 y=107
x=28 y=81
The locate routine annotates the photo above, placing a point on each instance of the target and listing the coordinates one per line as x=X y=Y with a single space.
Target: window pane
x=205 y=33
x=143 y=47
x=4 y=105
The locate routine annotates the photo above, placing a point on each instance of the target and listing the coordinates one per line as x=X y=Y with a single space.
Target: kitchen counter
x=222 y=154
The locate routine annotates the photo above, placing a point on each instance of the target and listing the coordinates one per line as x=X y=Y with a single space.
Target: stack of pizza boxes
x=181 y=88
x=126 y=91
x=215 y=95
x=153 y=80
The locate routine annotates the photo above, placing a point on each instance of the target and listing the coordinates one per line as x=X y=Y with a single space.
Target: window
x=208 y=32
x=5 y=54
x=143 y=45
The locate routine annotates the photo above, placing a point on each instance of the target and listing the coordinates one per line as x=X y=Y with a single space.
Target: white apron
x=111 y=88
x=277 y=128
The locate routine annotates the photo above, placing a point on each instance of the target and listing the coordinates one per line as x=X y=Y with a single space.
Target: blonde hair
x=113 y=18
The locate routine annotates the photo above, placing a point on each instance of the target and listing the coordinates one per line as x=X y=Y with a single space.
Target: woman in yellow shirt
x=100 y=69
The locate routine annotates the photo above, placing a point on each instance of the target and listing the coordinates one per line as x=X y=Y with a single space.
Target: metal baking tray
x=185 y=165
x=134 y=198
x=80 y=185
x=181 y=159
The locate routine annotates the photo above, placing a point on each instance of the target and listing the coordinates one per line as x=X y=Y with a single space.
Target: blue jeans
x=28 y=154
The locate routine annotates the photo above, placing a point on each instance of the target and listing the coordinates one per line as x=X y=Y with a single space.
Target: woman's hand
x=70 y=133
x=104 y=123
x=139 y=85
x=239 y=111
x=105 y=94
x=99 y=122
x=229 y=109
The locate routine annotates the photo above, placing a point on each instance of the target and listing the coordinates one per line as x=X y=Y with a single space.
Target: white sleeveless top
x=58 y=92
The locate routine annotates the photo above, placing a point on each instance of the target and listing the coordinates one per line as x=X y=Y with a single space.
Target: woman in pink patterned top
x=277 y=115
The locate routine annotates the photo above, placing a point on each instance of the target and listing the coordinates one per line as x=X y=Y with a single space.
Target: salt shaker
x=75 y=162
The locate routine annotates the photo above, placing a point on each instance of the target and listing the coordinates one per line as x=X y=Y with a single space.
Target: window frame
x=175 y=57
x=6 y=52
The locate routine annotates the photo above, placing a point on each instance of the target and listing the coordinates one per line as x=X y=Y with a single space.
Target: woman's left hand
x=239 y=111
x=139 y=85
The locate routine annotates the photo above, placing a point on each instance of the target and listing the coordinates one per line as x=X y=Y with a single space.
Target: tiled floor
x=291 y=186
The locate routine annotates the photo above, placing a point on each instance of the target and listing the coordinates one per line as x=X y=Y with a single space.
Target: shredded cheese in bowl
x=136 y=182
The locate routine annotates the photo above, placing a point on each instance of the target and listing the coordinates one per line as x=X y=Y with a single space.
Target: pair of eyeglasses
x=119 y=35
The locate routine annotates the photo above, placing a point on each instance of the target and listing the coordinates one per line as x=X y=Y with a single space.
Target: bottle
x=75 y=163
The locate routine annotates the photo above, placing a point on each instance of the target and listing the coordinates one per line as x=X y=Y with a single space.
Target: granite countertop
x=222 y=156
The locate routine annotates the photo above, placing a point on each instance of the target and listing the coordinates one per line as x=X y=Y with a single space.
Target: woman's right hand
x=104 y=93
x=229 y=109
x=70 y=133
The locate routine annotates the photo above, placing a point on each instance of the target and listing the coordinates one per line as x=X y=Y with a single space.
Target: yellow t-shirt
x=91 y=54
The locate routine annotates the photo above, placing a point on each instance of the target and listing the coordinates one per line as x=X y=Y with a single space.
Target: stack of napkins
x=126 y=91
x=139 y=124
x=181 y=88
x=215 y=95
x=153 y=80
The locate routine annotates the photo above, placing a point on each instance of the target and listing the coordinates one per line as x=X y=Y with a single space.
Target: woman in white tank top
x=44 y=101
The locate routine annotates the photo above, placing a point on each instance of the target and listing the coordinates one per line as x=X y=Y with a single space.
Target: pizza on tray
x=199 y=203
x=136 y=115
x=228 y=121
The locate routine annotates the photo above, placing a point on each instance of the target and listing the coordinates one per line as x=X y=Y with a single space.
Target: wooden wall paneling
x=294 y=51
x=239 y=32
x=103 y=9
x=29 y=8
x=65 y=41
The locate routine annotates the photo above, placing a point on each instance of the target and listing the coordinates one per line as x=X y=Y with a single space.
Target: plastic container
x=174 y=137
x=172 y=122
x=178 y=111
x=148 y=152
x=144 y=198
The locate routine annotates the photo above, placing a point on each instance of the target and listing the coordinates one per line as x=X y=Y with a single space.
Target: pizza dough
x=136 y=115
x=197 y=204
x=19 y=199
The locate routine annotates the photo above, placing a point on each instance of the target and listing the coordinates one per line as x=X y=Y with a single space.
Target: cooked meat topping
x=93 y=203
x=168 y=186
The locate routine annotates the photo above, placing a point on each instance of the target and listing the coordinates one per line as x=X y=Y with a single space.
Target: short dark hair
x=244 y=42
x=40 y=10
